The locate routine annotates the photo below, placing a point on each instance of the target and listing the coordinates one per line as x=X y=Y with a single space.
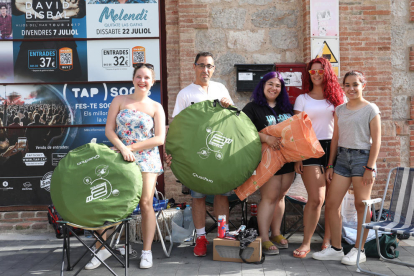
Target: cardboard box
x=228 y=251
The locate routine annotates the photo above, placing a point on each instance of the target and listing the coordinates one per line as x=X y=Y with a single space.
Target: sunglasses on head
x=319 y=71
x=148 y=65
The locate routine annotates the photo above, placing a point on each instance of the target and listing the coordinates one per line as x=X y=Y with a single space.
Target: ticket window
x=293 y=76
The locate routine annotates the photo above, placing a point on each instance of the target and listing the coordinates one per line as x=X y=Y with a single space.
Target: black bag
x=388 y=245
x=53 y=217
x=246 y=237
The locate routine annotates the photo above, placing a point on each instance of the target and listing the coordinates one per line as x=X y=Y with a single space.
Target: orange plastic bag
x=299 y=143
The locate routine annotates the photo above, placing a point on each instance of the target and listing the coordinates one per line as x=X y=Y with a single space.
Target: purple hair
x=282 y=101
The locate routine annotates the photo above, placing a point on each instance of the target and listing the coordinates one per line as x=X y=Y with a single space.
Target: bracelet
x=330 y=166
x=369 y=169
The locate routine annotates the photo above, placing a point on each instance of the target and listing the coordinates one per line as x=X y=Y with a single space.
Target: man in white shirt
x=200 y=90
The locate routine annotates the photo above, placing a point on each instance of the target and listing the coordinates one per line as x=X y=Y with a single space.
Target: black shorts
x=321 y=161
x=287 y=168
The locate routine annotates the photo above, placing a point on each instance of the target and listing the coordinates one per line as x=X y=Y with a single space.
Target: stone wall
x=243 y=31
x=375 y=37
x=403 y=78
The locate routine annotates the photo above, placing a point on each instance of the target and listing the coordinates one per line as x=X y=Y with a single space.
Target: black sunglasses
x=148 y=65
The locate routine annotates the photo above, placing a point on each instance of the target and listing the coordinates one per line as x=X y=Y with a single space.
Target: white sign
x=324 y=18
x=122 y=20
x=292 y=78
x=327 y=48
x=245 y=76
x=35 y=159
x=113 y=60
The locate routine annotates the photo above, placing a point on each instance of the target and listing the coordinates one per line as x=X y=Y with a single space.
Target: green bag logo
x=101 y=188
x=215 y=142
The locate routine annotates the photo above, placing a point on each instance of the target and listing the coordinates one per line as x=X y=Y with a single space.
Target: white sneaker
x=146 y=259
x=103 y=254
x=328 y=254
x=351 y=257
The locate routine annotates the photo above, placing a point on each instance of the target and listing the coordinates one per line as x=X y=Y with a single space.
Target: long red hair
x=332 y=90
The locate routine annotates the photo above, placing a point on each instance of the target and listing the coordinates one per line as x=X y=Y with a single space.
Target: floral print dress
x=133 y=126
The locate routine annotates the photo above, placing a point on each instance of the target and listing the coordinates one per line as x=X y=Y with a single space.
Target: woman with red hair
x=322 y=94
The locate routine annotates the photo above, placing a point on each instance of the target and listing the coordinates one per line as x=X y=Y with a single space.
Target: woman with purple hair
x=269 y=106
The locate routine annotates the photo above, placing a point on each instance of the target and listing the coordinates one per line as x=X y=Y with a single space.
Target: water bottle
x=188 y=217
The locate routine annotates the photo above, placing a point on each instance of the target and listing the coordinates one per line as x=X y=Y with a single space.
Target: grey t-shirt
x=353 y=126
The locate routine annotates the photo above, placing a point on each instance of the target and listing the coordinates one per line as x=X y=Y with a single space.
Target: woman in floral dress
x=136 y=127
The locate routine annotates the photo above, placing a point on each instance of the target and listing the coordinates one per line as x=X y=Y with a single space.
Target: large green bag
x=93 y=185
x=214 y=150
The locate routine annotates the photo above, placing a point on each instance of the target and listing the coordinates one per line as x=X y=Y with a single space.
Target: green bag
x=388 y=245
x=214 y=150
x=93 y=185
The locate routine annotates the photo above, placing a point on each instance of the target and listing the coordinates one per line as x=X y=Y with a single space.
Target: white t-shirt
x=194 y=93
x=320 y=112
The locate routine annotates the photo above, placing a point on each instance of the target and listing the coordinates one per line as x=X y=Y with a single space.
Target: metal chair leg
x=166 y=252
x=127 y=245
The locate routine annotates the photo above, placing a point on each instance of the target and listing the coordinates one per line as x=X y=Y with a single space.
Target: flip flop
x=300 y=255
x=325 y=245
x=277 y=241
x=265 y=247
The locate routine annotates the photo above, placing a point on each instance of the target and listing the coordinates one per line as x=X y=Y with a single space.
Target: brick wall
x=411 y=59
x=24 y=221
x=306 y=30
x=374 y=38
x=365 y=36
x=365 y=45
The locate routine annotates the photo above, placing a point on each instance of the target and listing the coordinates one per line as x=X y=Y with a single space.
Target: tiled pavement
x=41 y=255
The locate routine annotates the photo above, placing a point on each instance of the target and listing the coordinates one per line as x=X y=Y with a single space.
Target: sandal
x=266 y=248
x=277 y=241
x=299 y=253
x=325 y=245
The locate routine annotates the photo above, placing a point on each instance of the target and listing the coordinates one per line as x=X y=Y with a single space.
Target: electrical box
x=292 y=74
x=249 y=75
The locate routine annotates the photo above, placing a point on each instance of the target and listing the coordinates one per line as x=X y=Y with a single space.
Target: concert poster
x=114 y=59
x=48 y=121
x=40 y=19
x=134 y=18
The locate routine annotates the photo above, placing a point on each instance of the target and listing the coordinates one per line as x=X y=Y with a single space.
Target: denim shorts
x=194 y=194
x=351 y=162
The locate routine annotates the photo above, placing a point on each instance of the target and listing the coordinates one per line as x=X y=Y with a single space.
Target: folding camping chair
x=119 y=225
x=400 y=219
x=233 y=202
x=158 y=214
x=297 y=196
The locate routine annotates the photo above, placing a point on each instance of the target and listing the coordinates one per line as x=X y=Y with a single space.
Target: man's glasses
x=148 y=65
x=319 y=71
x=202 y=65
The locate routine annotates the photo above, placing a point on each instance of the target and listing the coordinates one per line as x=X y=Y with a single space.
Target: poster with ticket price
x=63 y=115
x=114 y=59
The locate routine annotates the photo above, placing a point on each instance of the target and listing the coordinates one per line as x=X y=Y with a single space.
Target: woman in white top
x=355 y=144
x=322 y=94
